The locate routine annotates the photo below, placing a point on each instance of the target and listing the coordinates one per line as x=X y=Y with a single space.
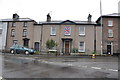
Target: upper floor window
x=25 y=24
x=53 y=31
x=110 y=23
x=12 y=32
x=82 y=31
x=24 y=32
x=67 y=30
x=82 y=46
x=110 y=33
x=13 y=24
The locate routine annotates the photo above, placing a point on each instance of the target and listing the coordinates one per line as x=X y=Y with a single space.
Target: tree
x=50 y=44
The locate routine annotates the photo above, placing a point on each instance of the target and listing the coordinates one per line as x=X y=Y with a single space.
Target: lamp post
x=101 y=26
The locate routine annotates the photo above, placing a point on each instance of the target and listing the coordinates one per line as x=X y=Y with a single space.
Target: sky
x=58 y=9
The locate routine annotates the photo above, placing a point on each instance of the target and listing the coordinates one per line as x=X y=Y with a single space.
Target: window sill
x=24 y=36
x=82 y=35
x=24 y=26
x=110 y=37
x=52 y=35
x=110 y=26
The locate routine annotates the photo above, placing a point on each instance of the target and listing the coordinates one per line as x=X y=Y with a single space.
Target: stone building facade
x=82 y=35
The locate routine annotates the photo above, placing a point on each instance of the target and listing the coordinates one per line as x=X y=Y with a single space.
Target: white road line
x=51 y=62
x=95 y=67
x=112 y=70
x=70 y=64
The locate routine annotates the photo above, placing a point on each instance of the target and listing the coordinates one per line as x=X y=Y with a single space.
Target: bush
x=50 y=44
x=75 y=50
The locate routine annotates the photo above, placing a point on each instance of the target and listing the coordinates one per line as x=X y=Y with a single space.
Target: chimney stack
x=89 y=17
x=48 y=17
x=15 y=16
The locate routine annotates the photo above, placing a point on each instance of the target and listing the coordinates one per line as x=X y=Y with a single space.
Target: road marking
x=95 y=67
x=70 y=64
x=112 y=70
x=51 y=62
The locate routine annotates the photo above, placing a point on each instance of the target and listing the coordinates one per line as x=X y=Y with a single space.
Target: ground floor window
x=82 y=46
x=15 y=42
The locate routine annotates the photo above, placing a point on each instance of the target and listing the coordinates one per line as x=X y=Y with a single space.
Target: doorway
x=109 y=48
x=36 y=46
x=67 y=47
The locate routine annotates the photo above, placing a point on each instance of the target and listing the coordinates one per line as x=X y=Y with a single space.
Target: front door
x=36 y=46
x=109 y=50
x=67 y=47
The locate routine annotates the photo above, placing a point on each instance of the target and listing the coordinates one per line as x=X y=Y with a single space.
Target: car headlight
x=31 y=50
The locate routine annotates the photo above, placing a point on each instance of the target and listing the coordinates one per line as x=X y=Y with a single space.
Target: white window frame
x=83 y=47
x=53 y=33
x=13 y=24
x=110 y=33
x=15 y=42
x=69 y=33
x=110 y=23
x=80 y=33
x=25 y=24
x=24 y=32
x=13 y=32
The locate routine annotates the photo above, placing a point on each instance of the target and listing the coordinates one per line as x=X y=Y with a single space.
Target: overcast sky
x=59 y=9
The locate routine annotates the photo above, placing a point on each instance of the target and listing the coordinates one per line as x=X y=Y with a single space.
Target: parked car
x=21 y=49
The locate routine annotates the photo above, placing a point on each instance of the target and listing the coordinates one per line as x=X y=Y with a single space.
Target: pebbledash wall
x=3 y=33
x=83 y=35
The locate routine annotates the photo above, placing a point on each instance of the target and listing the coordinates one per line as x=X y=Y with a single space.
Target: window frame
x=15 y=42
x=110 y=31
x=82 y=34
x=24 y=32
x=110 y=23
x=82 y=46
x=13 y=24
x=12 y=32
x=51 y=33
x=25 y=24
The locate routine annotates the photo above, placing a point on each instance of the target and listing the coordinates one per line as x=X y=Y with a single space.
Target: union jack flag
x=67 y=30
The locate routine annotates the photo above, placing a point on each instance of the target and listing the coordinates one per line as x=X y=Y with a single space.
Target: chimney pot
x=48 y=17
x=15 y=16
x=89 y=17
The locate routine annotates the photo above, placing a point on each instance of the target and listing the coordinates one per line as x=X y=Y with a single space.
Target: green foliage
x=93 y=53
x=75 y=50
x=50 y=44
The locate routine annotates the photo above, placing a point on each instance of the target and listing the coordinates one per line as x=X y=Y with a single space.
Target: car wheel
x=26 y=52
x=12 y=51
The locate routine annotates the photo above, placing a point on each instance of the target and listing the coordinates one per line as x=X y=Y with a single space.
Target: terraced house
x=110 y=34
x=68 y=35
x=19 y=31
x=82 y=35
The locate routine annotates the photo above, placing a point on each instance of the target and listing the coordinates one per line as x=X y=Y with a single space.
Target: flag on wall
x=67 y=30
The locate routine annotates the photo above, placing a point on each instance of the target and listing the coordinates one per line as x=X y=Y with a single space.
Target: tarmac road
x=17 y=66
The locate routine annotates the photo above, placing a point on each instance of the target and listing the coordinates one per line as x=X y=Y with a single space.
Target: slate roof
x=18 y=20
x=113 y=15
x=69 y=22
